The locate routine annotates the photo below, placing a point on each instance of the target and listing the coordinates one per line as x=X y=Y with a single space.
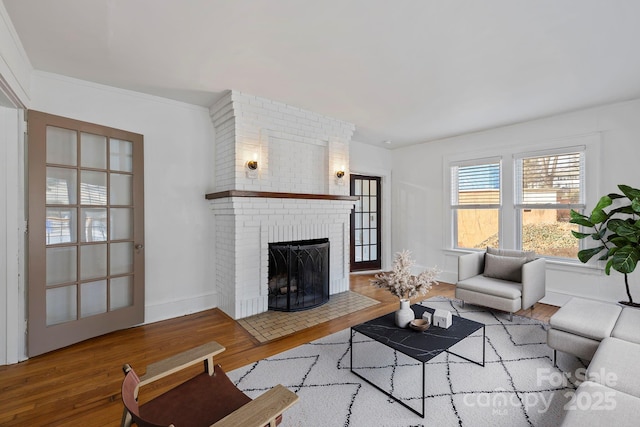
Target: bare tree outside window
x=549 y=187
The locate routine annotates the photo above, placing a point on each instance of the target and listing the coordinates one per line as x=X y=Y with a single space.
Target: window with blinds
x=476 y=184
x=551 y=179
x=548 y=186
x=476 y=202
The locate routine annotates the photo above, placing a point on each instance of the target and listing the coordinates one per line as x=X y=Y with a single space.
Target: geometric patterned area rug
x=518 y=386
x=275 y=324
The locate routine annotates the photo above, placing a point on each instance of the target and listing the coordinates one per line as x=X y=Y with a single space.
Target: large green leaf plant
x=617 y=231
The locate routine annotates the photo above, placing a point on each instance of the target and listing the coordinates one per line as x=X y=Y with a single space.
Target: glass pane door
x=365 y=223
x=86 y=230
x=88 y=222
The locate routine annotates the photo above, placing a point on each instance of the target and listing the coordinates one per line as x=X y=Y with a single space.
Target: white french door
x=86 y=231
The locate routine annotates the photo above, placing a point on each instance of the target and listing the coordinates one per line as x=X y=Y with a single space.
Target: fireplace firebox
x=298 y=274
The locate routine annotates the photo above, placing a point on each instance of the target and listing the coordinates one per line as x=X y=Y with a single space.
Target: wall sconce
x=340 y=176
x=253 y=163
x=252 y=167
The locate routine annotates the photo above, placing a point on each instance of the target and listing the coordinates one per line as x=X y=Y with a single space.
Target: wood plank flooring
x=80 y=384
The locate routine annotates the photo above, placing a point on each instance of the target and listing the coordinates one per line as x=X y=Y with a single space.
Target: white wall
x=366 y=159
x=420 y=195
x=178 y=151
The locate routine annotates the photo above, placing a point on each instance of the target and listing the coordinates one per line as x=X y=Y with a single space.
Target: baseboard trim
x=557 y=299
x=176 y=308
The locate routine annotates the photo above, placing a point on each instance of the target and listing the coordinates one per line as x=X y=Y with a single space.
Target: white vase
x=405 y=315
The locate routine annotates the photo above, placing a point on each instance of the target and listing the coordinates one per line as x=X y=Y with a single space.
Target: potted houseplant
x=617 y=231
x=401 y=283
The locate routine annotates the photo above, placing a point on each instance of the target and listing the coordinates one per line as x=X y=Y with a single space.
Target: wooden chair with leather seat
x=208 y=399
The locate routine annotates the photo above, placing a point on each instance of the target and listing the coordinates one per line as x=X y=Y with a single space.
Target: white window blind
x=476 y=184
x=551 y=179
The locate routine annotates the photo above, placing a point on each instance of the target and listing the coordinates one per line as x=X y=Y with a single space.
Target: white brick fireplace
x=293 y=194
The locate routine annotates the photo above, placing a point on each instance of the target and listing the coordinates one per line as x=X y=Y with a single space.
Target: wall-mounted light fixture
x=252 y=166
x=340 y=175
x=253 y=163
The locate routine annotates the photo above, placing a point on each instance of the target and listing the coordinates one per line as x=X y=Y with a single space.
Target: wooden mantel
x=274 y=195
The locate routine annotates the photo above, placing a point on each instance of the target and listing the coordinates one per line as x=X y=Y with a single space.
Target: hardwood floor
x=80 y=384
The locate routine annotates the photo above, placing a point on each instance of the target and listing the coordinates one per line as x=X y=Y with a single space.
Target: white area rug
x=518 y=386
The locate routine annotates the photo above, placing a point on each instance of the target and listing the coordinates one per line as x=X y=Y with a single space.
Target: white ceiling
x=408 y=71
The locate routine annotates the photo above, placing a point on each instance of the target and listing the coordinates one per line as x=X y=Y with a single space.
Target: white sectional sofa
x=610 y=396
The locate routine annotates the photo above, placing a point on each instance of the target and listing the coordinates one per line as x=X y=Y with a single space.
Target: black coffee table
x=420 y=346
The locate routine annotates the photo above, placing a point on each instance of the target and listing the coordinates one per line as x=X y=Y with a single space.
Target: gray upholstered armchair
x=501 y=279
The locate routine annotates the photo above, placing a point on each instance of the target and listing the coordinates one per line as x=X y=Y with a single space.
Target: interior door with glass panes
x=366 y=247
x=86 y=231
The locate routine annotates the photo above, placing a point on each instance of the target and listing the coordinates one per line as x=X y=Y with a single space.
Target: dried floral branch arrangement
x=401 y=283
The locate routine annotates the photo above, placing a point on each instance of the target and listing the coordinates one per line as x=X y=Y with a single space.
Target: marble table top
x=422 y=346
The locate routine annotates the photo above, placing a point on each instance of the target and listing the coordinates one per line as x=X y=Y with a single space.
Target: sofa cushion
x=504 y=267
x=628 y=325
x=597 y=405
x=568 y=342
x=529 y=255
x=587 y=318
x=615 y=365
x=489 y=286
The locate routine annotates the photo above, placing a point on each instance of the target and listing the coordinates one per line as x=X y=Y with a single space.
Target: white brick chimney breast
x=293 y=194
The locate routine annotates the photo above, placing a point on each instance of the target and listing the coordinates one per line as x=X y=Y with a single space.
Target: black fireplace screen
x=298 y=274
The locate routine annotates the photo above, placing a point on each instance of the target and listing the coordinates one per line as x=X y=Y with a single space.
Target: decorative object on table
x=442 y=318
x=419 y=325
x=427 y=316
x=405 y=314
x=401 y=283
x=617 y=231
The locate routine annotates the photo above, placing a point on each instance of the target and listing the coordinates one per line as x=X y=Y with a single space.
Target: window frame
x=454 y=204
x=592 y=143
x=518 y=198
